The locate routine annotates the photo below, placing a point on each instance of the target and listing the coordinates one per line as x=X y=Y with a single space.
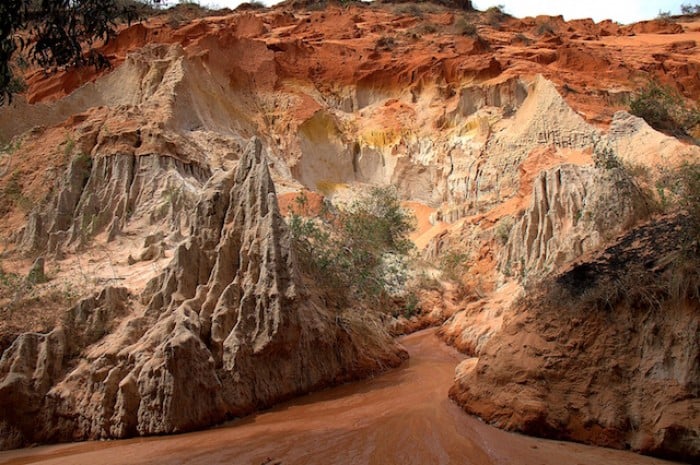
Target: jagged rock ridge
x=228 y=328
x=574 y=210
x=103 y=193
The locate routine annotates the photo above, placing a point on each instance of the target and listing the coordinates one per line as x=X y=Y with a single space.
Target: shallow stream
x=402 y=417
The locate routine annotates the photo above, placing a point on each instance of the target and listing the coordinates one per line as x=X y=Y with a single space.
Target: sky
x=621 y=11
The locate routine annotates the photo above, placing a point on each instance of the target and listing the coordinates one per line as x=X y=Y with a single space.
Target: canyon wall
x=151 y=192
x=607 y=352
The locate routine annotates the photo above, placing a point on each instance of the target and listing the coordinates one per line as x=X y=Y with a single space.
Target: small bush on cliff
x=664 y=109
x=463 y=27
x=521 y=38
x=257 y=5
x=495 y=16
x=651 y=266
x=545 y=28
x=689 y=9
x=680 y=189
x=634 y=273
x=604 y=157
x=355 y=251
x=411 y=9
x=503 y=228
x=454 y=264
x=13 y=194
x=385 y=43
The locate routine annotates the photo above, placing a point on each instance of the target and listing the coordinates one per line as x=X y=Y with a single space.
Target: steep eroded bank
x=607 y=352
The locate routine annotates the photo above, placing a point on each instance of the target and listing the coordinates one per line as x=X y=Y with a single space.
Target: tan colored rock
x=574 y=210
x=104 y=193
x=618 y=373
x=35 y=363
x=228 y=328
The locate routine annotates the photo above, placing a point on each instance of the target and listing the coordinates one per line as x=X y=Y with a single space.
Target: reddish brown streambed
x=402 y=417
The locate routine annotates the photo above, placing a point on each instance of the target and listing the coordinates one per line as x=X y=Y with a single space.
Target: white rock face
x=103 y=194
x=573 y=210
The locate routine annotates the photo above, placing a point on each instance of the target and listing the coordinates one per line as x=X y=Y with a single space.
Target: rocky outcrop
x=35 y=363
x=607 y=353
x=638 y=144
x=507 y=95
x=622 y=379
x=655 y=26
x=574 y=210
x=227 y=328
x=104 y=193
x=482 y=170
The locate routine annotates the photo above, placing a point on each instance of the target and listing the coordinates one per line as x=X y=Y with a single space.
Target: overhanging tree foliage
x=57 y=33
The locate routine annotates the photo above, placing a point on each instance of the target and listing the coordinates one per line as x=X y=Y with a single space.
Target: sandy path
x=403 y=417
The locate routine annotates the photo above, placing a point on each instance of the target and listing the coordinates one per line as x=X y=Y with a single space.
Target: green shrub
x=131 y=10
x=412 y=305
x=664 y=109
x=14 y=193
x=428 y=28
x=356 y=251
x=495 y=16
x=454 y=264
x=604 y=157
x=503 y=228
x=522 y=39
x=688 y=9
x=410 y=9
x=650 y=267
x=385 y=43
x=545 y=28
x=680 y=189
x=464 y=27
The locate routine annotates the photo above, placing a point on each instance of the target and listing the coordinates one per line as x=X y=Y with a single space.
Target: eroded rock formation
x=102 y=194
x=229 y=327
x=574 y=210
x=611 y=360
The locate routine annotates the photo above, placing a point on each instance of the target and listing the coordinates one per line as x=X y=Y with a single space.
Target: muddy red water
x=402 y=417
